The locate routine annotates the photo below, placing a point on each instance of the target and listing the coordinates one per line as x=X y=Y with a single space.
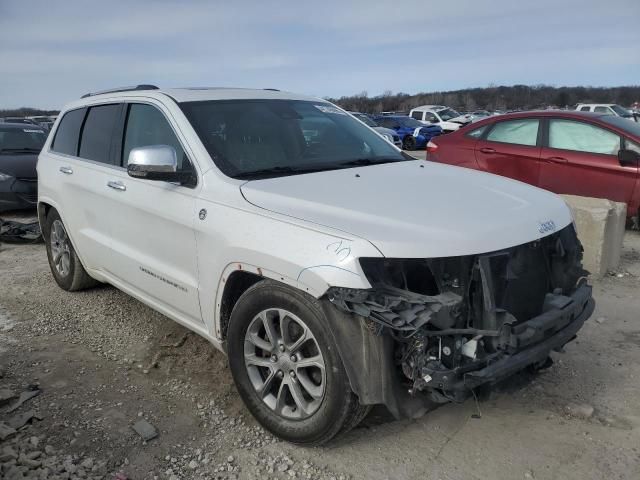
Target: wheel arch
x=237 y=277
x=238 y=282
x=43 y=211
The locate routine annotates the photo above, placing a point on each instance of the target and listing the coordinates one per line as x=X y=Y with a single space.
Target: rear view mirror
x=628 y=158
x=155 y=162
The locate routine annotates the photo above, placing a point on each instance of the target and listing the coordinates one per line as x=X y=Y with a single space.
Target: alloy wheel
x=284 y=364
x=60 y=249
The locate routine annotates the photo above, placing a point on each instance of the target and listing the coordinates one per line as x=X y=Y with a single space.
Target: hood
x=19 y=166
x=385 y=131
x=416 y=209
x=463 y=119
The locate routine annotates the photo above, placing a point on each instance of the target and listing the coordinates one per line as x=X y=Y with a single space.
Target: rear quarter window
x=477 y=132
x=68 y=132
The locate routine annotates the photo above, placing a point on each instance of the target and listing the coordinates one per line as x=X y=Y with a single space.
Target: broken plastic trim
x=449 y=317
x=395 y=308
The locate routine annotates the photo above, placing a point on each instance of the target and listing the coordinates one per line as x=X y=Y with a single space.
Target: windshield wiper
x=277 y=170
x=20 y=150
x=363 y=162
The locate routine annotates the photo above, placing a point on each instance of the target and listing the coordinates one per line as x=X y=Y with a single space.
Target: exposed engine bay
x=460 y=322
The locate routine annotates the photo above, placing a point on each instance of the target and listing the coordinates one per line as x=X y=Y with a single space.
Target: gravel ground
x=91 y=365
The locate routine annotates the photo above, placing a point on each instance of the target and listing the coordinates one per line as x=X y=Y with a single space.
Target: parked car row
x=391 y=135
x=20 y=144
x=43 y=121
x=571 y=152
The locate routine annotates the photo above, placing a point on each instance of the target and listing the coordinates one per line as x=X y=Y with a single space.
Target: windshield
x=408 y=122
x=628 y=125
x=366 y=120
x=623 y=112
x=447 y=114
x=257 y=138
x=25 y=139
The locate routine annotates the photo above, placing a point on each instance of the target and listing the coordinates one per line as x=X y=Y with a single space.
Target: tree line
x=26 y=112
x=515 y=97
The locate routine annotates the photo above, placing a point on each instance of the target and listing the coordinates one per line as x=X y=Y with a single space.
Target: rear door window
x=417 y=115
x=585 y=109
x=97 y=133
x=582 y=137
x=519 y=132
x=68 y=132
x=603 y=110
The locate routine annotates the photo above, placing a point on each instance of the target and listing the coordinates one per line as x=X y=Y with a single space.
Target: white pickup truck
x=446 y=118
x=608 y=108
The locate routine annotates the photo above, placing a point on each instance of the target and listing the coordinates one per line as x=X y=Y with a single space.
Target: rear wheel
x=65 y=265
x=287 y=368
x=408 y=143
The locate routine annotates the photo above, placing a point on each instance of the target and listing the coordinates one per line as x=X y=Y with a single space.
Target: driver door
x=153 y=240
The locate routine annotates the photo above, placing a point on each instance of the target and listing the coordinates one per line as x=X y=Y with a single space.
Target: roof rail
x=272 y=89
x=121 y=89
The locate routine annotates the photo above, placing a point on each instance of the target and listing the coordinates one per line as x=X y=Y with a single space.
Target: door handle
x=556 y=160
x=487 y=150
x=66 y=170
x=117 y=186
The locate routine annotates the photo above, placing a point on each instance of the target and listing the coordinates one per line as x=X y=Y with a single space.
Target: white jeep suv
x=335 y=271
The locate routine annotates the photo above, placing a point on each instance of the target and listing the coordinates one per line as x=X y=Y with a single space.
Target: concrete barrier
x=601 y=225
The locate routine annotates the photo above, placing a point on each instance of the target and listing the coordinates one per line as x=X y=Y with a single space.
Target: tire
x=65 y=265
x=336 y=411
x=408 y=143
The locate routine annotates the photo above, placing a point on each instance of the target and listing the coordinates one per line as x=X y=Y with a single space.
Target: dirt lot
x=102 y=361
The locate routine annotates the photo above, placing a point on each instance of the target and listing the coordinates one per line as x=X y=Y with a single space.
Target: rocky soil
x=89 y=366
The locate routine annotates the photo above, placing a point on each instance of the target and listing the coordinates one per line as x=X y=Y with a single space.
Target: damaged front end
x=449 y=325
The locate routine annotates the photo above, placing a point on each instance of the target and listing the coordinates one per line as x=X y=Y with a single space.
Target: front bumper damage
x=431 y=331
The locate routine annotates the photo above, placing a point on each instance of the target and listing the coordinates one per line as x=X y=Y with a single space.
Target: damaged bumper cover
x=444 y=326
x=530 y=343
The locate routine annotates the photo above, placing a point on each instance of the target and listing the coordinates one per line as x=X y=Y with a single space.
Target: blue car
x=413 y=133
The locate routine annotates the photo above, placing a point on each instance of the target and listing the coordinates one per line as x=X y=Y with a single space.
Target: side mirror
x=628 y=158
x=155 y=162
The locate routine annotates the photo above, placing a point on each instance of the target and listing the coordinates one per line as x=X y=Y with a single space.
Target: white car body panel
x=307 y=231
x=421 y=218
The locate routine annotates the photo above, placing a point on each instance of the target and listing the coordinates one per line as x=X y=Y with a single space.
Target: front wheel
x=409 y=143
x=286 y=366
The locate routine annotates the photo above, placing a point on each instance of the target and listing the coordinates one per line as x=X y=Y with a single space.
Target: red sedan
x=587 y=154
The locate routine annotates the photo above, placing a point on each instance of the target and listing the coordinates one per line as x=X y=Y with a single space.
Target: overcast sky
x=52 y=52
